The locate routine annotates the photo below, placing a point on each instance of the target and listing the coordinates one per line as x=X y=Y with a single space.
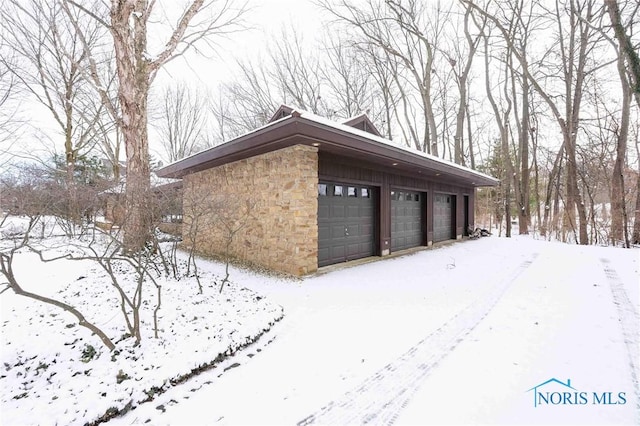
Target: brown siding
x=278 y=190
x=472 y=207
x=343 y=169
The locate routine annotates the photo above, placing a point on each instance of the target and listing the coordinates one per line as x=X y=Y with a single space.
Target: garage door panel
x=353 y=211
x=324 y=253
x=353 y=250
x=337 y=232
x=443 y=208
x=365 y=230
x=407 y=219
x=337 y=251
x=324 y=232
x=350 y=223
x=337 y=211
x=323 y=211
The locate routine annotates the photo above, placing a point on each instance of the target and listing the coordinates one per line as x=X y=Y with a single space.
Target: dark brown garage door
x=346 y=217
x=406 y=219
x=443 y=223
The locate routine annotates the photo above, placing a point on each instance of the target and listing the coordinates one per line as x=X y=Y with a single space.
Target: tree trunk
x=636 y=223
x=504 y=134
x=472 y=155
x=619 y=230
x=536 y=174
x=457 y=147
x=574 y=86
x=556 y=197
x=134 y=78
x=507 y=181
x=617 y=194
x=553 y=177
x=571 y=198
x=524 y=211
x=627 y=48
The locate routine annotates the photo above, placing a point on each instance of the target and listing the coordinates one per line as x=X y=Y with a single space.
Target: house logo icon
x=557 y=392
x=539 y=396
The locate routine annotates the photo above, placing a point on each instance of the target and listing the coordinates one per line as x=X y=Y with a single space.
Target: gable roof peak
x=282 y=112
x=362 y=122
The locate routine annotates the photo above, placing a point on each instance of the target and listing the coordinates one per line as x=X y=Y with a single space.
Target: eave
x=332 y=138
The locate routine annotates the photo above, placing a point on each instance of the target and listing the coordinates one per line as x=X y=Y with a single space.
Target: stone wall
x=269 y=201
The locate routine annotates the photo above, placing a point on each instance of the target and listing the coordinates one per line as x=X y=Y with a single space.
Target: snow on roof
x=346 y=128
x=299 y=112
x=243 y=135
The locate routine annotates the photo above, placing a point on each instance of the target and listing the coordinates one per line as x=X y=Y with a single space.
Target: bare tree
x=576 y=42
x=407 y=31
x=628 y=50
x=619 y=219
x=461 y=66
x=348 y=81
x=231 y=216
x=137 y=66
x=501 y=114
x=383 y=75
x=635 y=238
x=9 y=122
x=181 y=121
x=628 y=66
x=49 y=66
x=335 y=84
x=221 y=218
x=33 y=200
x=197 y=206
x=248 y=101
x=523 y=28
x=33 y=194
x=296 y=72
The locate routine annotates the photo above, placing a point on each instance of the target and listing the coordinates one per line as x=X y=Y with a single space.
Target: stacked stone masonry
x=267 y=203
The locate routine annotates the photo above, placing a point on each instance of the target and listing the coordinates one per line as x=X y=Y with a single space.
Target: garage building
x=306 y=192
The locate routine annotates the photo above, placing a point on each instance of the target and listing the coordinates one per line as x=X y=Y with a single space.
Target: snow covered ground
x=454 y=335
x=56 y=372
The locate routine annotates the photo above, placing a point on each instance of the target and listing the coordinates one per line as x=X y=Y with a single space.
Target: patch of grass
x=122 y=376
x=88 y=353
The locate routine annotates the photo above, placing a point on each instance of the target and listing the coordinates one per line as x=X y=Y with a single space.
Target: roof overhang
x=329 y=137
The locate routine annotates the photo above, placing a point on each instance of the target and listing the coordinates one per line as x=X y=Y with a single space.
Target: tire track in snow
x=628 y=318
x=380 y=398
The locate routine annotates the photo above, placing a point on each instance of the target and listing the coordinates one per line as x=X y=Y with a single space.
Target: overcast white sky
x=266 y=19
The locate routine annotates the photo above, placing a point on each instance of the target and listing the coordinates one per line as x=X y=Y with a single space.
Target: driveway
x=381 y=342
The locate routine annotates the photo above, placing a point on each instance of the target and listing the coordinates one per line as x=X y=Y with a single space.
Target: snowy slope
x=55 y=372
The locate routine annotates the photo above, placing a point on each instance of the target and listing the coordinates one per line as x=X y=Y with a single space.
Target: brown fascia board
x=268 y=138
x=338 y=141
x=297 y=129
